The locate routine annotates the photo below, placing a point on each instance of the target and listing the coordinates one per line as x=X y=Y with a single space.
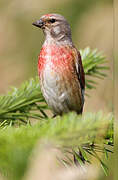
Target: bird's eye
x=52 y=20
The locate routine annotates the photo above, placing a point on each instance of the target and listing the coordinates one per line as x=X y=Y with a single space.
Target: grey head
x=55 y=27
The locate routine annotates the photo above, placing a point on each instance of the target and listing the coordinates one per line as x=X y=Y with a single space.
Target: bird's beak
x=38 y=23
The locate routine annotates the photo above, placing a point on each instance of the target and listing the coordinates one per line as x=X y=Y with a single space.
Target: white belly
x=58 y=96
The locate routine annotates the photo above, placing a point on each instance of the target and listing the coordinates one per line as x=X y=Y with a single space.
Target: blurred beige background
x=92 y=25
x=115 y=58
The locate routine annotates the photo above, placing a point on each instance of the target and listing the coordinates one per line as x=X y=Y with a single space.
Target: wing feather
x=80 y=71
x=79 y=67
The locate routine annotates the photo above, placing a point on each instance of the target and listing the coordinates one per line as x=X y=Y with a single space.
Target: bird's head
x=54 y=26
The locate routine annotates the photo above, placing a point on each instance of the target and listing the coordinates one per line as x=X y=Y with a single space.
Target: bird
x=60 y=68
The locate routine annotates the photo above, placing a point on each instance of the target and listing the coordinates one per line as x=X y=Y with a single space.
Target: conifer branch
x=94 y=65
x=70 y=132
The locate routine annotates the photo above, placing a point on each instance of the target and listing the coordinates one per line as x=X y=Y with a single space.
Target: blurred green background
x=92 y=25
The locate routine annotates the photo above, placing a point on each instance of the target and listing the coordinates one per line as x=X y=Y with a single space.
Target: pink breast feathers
x=57 y=56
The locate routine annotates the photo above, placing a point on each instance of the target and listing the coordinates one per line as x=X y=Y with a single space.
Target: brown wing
x=81 y=76
x=80 y=71
x=79 y=68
